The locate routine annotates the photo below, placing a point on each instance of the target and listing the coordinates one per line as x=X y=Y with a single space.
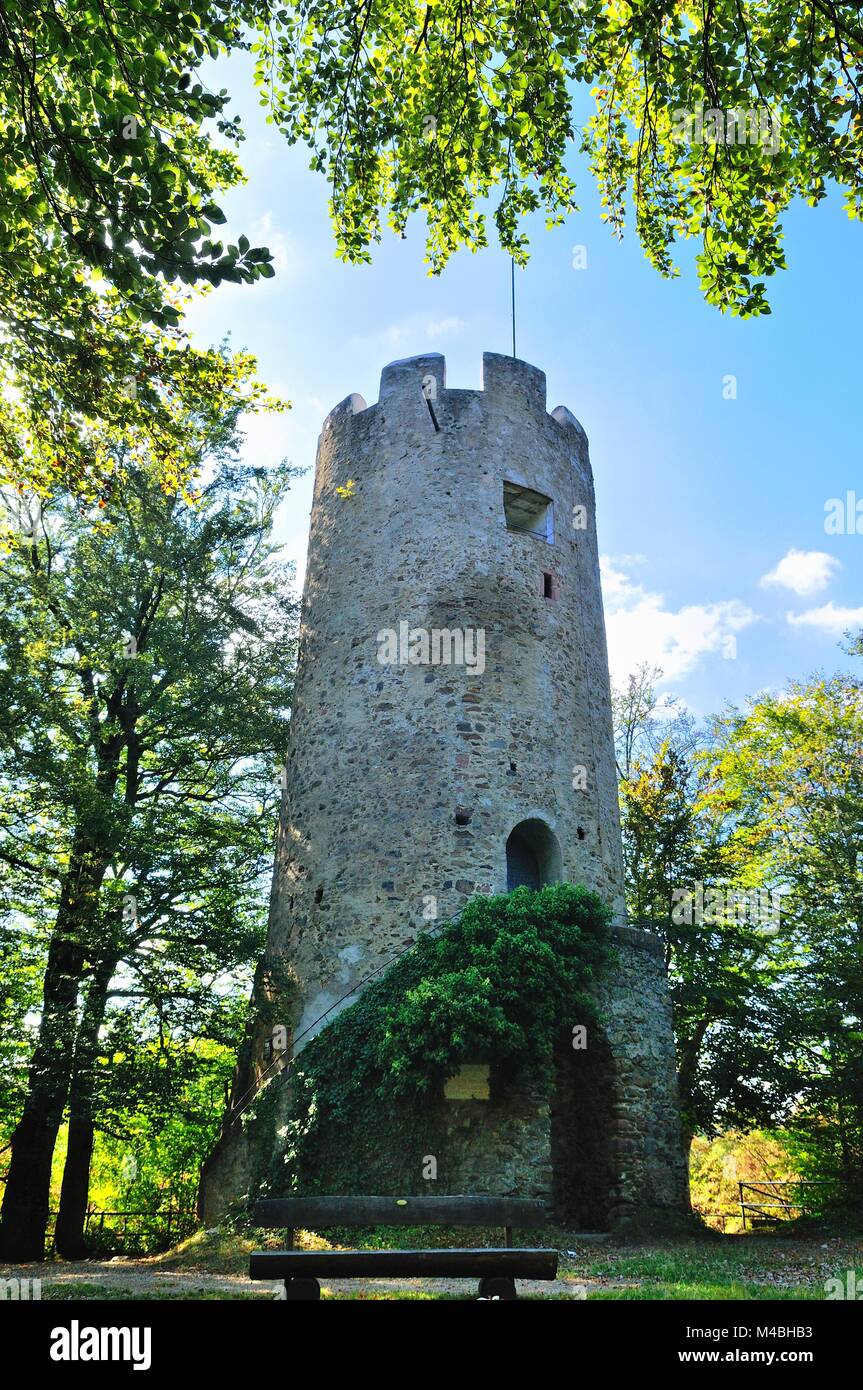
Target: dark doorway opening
x=532 y=856
x=583 y=1157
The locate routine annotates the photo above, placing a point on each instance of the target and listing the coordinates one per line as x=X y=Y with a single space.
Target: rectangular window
x=547 y=586
x=528 y=511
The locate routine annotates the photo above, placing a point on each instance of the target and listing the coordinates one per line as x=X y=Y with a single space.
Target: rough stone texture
x=616 y=1152
x=384 y=757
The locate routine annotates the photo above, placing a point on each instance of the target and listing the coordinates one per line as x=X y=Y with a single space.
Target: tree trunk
x=28 y=1185
x=69 y=1240
x=71 y=1218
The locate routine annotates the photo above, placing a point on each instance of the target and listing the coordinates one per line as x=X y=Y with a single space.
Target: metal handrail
x=784 y=1205
x=95 y=1217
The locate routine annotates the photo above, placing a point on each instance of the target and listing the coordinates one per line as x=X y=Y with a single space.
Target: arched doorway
x=532 y=856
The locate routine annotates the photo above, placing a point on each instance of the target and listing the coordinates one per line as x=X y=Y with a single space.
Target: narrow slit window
x=547 y=586
x=529 y=512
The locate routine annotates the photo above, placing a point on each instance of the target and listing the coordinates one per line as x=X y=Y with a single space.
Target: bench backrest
x=312 y=1213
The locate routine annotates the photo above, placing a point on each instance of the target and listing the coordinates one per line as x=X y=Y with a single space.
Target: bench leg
x=495 y=1286
x=302 y=1290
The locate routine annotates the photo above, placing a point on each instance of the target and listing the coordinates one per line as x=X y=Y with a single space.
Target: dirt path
x=586 y=1269
x=129 y=1276
x=144 y=1277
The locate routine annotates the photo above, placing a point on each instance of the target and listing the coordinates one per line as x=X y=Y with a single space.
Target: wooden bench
x=497 y=1270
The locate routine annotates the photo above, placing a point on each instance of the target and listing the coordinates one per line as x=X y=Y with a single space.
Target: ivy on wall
x=500 y=983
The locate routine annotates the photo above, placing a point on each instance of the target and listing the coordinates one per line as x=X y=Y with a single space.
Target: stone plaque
x=470 y=1082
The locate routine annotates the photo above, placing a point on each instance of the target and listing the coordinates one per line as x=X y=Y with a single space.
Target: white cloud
x=617 y=587
x=642 y=628
x=422 y=335
x=805 y=571
x=396 y=332
x=282 y=249
x=829 y=619
x=441 y=327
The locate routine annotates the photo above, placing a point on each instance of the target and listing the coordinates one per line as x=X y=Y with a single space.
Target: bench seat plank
x=310 y=1213
x=346 y=1264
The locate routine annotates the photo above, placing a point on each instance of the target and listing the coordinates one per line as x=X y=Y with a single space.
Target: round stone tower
x=451 y=735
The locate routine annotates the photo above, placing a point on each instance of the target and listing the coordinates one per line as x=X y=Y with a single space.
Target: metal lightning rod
x=512 y=283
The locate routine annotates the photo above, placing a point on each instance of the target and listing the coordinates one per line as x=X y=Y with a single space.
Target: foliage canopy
x=430 y=107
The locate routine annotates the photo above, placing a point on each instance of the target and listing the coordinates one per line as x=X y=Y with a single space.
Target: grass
x=705 y=1268
x=106 y=1293
x=220 y=1251
x=711 y=1293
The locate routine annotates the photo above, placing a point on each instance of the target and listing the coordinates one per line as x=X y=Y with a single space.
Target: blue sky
x=711 y=511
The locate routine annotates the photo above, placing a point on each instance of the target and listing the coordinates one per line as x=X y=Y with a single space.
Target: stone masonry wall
x=404 y=781
x=384 y=756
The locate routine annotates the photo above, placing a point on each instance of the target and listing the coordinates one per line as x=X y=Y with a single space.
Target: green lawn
x=102 y=1293
x=718 y=1268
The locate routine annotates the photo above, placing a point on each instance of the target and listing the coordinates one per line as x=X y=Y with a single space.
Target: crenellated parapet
x=410 y=385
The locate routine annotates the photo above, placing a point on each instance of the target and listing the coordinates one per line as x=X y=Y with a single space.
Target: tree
x=104 y=392
x=429 y=108
x=108 y=170
x=692 y=877
x=159 y=1115
x=23 y=965
x=710 y=119
x=793 y=764
x=149 y=1086
x=719 y=1166
x=147 y=653
x=107 y=203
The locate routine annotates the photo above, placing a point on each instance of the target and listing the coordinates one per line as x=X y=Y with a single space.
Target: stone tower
x=451 y=735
